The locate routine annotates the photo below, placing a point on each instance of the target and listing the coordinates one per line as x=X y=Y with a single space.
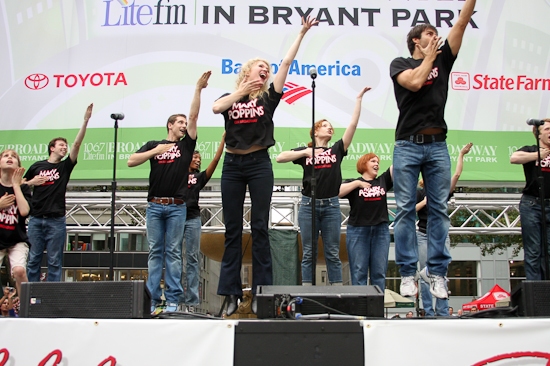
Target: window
x=132 y=243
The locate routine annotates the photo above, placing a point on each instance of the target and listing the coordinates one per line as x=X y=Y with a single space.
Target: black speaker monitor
x=103 y=300
x=353 y=300
x=532 y=298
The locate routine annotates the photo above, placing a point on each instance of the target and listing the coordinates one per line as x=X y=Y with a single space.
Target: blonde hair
x=245 y=70
x=363 y=160
x=14 y=153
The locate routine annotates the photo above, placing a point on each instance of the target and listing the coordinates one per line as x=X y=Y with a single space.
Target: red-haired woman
x=368 y=234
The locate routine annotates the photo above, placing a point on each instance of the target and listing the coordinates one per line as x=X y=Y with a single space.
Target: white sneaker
x=190 y=309
x=438 y=284
x=170 y=308
x=408 y=286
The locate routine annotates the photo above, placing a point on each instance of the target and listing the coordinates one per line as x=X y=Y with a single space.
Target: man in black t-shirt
x=529 y=206
x=47 y=227
x=166 y=211
x=420 y=86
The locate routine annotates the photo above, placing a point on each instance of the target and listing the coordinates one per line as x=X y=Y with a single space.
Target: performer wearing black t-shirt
x=47 y=225
x=420 y=86
x=368 y=233
x=529 y=206
x=248 y=114
x=166 y=211
x=14 y=208
x=196 y=181
x=327 y=205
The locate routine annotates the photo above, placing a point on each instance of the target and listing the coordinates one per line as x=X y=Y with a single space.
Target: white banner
x=107 y=342
x=143 y=58
x=506 y=341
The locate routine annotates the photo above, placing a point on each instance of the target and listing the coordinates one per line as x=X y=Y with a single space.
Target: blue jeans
x=239 y=171
x=165 y=225
x=48 y=234
x=441 y=305
x=432 y=159
x=368 y=248
x=191 y=270
x=531 y=225
x=328 y=221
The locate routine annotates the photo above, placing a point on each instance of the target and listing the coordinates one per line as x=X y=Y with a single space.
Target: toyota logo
x=36 y=81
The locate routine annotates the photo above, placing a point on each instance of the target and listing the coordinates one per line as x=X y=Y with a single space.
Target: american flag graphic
x=292 y=92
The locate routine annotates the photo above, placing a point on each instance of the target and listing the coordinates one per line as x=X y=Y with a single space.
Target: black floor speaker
x=309 y=301
x=532 y=298
x=102 y=300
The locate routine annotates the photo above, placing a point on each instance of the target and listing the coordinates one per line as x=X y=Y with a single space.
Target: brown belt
x=167 y=200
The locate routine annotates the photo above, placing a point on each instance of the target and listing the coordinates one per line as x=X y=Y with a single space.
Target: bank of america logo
x=292 y=92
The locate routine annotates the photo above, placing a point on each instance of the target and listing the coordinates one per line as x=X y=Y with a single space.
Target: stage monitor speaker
x=102 y=300
x=532 y=298
x=353 y=300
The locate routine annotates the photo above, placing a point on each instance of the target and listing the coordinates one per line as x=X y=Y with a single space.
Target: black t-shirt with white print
x=49 y=198
x=250 y=122
x=424 y=108
x=369 y=206
x=168 y=176
x=531 y=174
x=327 y=171
x=195 y=182
x=12 y=224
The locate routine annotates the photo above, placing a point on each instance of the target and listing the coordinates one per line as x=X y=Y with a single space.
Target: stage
x=188 y=341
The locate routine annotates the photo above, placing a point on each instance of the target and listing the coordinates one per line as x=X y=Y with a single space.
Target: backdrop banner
x=143 y=58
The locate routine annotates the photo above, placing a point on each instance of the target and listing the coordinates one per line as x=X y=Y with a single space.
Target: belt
x=425 y=139
x=537 y=199
x=51 y=216
x=166 y=200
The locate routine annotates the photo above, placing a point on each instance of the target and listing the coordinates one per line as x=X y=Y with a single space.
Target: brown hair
x=416 y=32
x=54 y=141
x=172 y=120
x=535 y=127
x=14 y=153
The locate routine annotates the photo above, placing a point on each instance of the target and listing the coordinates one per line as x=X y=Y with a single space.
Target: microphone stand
x=543 y=232
x=313 y=185
x=113 y=206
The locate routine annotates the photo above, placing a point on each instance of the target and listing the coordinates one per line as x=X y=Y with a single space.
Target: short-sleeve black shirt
x=424 y=108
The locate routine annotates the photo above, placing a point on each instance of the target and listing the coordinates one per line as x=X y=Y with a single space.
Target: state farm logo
x=40 y=81
x=460 y=80
x=36 y=81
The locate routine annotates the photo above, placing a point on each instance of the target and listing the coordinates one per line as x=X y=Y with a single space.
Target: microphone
x=313 y=72
x=118 y=116
x=535 y=122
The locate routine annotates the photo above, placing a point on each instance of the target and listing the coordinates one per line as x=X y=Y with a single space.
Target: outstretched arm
x=196 y=105
x=214 y=163
x=280 y=77
x=459 y=164
x=350 y=130
x=457 y=31
x=75 y=148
